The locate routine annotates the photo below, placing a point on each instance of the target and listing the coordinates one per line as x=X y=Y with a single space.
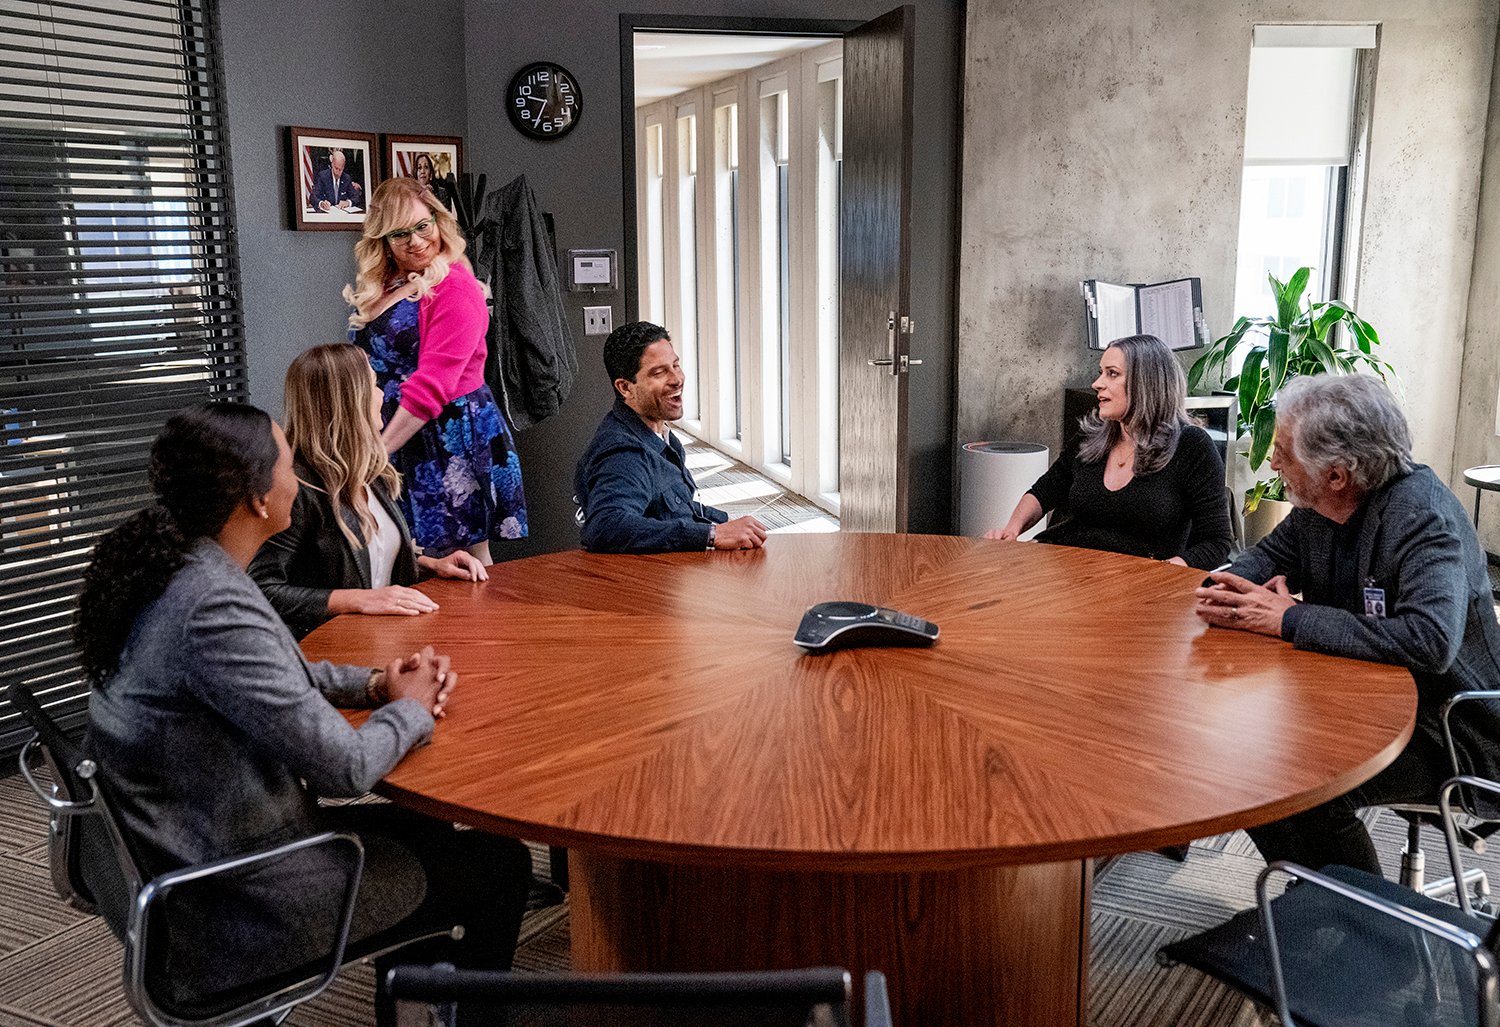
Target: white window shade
x=1300 y=105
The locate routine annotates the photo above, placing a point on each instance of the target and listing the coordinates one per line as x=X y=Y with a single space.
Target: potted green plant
x=1298 y=340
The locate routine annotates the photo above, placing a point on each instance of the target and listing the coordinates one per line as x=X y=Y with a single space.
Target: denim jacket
x=635 y=492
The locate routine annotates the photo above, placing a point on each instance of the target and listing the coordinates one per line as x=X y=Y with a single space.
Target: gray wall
x=397 y=67
x=1479 y=395
x=578 y=178
x=1105 y=140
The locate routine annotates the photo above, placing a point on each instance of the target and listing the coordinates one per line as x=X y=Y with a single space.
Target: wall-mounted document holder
x=1171 y=311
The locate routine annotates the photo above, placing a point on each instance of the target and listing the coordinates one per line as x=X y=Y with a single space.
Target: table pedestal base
x=961 y=948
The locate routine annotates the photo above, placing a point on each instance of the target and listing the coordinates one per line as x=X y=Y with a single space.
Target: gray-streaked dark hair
x=1346 y=420
x=1157 y=411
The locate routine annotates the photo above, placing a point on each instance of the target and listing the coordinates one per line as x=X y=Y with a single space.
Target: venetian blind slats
x=119 y=291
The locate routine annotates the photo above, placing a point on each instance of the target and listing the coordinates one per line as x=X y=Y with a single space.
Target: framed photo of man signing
x=330 y=175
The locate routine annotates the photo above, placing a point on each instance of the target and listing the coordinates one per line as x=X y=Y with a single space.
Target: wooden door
x=875 y=324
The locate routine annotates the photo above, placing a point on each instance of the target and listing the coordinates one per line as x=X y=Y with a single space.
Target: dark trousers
x=473 y=879
x=1333 y=834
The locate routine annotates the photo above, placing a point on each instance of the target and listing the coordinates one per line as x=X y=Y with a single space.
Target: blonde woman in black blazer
x=346 y=508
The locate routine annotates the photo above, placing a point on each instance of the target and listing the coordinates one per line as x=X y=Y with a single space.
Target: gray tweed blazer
x=1417 y=545
x=213 y=738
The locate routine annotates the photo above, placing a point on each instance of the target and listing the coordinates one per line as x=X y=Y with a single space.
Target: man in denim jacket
x=633 y=487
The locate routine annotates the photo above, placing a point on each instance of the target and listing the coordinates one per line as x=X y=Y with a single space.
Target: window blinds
x=119 y=292
x=1300 y=104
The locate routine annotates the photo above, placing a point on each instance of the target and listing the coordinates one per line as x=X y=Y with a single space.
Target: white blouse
x=385 y=543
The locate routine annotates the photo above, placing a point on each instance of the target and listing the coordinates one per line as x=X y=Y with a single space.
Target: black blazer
x=297 y=568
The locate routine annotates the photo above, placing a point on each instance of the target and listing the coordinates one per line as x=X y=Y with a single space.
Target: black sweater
x=1181 y=510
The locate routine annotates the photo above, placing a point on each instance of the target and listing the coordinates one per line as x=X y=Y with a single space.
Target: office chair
x=95 y=869
x=766 y=998
x=1344 y=948
x=1482 y=822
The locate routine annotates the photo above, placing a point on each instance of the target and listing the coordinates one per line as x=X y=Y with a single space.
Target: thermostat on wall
x=591 y=271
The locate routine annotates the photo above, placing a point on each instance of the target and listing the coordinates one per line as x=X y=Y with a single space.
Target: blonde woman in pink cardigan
x=421 y=316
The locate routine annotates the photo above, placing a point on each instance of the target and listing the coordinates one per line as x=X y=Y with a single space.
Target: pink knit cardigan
x=451 y=324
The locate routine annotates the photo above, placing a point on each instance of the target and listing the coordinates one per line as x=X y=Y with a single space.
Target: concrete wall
x=1478 y=437
x=1105 y=140
x=396 y=66
x=578 y=178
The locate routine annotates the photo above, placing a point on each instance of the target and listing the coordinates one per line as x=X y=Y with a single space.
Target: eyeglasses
x=403 y=236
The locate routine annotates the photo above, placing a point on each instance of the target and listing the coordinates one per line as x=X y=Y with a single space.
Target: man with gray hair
x=1389 y=569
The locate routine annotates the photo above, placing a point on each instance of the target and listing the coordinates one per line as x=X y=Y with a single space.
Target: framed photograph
x=429 y=159
x=330 y=175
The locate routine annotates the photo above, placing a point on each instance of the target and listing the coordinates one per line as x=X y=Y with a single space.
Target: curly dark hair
x=207 y=460
x=623 y=348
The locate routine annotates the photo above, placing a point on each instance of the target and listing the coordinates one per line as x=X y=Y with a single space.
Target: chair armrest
x=1450 y=825
x=159 y=887
x=61 y=807
x=1471 y=943
x=1446 y=712
x=877 y=1002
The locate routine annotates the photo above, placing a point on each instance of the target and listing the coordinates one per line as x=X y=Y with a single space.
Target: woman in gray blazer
x=216 y=736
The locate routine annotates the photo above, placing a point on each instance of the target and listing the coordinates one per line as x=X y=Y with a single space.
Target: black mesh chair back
x=1343 y=948
x=1344 y=963
x=82 y=848
x=95 y=868
x=816 y=997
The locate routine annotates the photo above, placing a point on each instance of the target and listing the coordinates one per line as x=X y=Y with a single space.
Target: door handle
x=895 y=360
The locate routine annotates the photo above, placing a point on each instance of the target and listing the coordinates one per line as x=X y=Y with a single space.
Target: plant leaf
x=1364 y=333
x=1276 y=357
x=1320 y=357
x=1289 y=300
x=1251 y=382
x=1330 y=315
x=1276 y=287
x=1218 y=354
x=1253 y=497
x=1262 y=434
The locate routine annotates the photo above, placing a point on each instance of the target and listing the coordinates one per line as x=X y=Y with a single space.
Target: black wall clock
x=544 y=101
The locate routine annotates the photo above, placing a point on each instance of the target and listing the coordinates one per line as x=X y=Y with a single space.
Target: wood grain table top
x=655 y=707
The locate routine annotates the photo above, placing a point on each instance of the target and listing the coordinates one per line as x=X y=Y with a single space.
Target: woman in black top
x=348 y=549
x=1143 y=479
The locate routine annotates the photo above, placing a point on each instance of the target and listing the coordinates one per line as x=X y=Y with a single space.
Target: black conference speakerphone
x=842 y=625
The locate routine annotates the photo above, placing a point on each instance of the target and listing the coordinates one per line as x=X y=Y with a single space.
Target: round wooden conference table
x=732 y=803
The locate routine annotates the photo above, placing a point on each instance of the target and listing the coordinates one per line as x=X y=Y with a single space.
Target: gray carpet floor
x=60 y=968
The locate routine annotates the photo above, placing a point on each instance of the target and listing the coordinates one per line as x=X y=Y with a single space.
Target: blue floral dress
x=460 y=471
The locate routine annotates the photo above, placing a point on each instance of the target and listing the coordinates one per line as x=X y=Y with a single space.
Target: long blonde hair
x=328 y=426
x=375 y=265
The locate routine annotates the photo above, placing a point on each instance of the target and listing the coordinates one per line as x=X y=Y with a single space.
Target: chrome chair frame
x=1472 y=944
x=146 y=895
x=1413 y=860
x=422 y=998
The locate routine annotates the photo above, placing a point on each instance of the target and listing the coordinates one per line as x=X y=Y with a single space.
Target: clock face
x=544 y=101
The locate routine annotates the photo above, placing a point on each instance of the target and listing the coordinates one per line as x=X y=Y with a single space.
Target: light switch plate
x=597 y=320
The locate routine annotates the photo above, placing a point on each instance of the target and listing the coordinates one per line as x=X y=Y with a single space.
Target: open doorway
x=768 y=209
x=737 y=179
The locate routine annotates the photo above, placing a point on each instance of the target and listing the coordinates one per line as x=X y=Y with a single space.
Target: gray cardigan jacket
x=1417 y=545
x=204 y=737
